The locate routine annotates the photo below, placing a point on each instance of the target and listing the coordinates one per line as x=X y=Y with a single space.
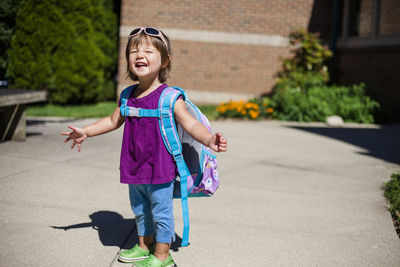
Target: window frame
x=347 y=41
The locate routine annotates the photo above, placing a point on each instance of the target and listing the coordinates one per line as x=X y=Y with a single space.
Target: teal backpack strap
x=124 y=99
x=171 y=140
x=183 y=93
x=127 y=111
x=184 y=173
x=140 y=112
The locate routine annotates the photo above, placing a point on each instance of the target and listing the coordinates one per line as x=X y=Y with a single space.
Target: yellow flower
x=244 y=112
x=270 y=110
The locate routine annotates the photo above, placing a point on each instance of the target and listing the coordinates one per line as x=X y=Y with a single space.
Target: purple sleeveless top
x=144 y=158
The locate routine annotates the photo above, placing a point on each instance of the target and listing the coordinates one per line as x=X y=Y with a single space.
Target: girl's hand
x=78 y=135
x=218 y=143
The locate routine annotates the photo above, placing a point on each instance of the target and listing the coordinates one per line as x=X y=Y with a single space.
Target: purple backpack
x=197 y=166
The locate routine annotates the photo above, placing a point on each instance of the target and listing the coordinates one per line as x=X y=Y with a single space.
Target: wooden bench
x=12 y=112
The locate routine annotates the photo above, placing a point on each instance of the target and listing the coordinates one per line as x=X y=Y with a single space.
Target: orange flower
x=248 y=105
x=231 y=105
x=270 y=110
x=253 y=114
x=222 y=109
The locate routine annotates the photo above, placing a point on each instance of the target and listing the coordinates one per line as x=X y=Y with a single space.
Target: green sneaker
x=153 y=261
x=134 y=254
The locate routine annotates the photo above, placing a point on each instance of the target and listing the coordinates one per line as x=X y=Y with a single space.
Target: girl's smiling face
x=145 y=60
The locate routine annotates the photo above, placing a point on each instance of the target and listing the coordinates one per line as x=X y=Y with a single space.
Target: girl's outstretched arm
x=104 y=125
x=198 y=131
x=218 y=143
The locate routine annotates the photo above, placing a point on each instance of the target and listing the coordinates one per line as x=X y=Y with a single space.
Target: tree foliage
x=8 y=11
x=66 y=47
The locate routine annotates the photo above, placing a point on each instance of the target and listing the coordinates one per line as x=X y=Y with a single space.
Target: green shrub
x=300 y=80
x=318 y=102
x=352 y=103
x=392 y=193
x=295 y=104
x=66 y=47
x=309 y=55
x=301 y=93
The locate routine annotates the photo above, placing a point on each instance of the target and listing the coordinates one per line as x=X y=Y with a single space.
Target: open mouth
x=140 y=65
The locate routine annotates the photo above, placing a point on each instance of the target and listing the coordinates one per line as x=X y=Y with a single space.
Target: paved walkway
x=291 y=195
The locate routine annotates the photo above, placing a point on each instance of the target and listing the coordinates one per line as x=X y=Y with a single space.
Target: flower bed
x=253 y=109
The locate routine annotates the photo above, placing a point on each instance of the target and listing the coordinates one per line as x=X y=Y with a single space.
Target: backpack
x=196 y=164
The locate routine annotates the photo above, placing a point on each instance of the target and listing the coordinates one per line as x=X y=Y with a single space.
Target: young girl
x=145 y=164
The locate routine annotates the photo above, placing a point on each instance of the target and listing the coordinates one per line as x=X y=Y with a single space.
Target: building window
x=369 y=23
x=389 y=23
x=360 y=18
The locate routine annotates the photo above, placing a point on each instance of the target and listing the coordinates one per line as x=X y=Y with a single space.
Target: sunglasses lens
x=152 y=31
x=135 y=31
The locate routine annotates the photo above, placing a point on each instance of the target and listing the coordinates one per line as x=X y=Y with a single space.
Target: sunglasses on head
x=151 y=32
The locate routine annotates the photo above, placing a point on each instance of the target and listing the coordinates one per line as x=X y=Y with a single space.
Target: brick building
x=232 y=49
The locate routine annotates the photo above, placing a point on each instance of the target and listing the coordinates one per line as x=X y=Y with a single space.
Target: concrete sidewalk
x=291 y=195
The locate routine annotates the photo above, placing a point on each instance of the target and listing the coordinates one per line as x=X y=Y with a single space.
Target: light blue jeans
x=153 y=209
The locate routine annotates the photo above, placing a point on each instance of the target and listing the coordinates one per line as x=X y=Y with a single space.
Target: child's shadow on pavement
x=114 y=230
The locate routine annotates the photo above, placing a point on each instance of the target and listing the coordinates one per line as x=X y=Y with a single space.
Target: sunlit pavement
x=291 y=195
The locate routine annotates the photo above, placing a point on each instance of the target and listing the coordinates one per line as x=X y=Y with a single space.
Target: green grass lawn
x=210 y=111
x=98 y=110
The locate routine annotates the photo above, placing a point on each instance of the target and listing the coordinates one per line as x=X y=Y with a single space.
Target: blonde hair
x=165 y=52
